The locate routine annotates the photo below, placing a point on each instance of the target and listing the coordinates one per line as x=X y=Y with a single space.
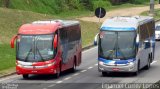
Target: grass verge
x=156 y=16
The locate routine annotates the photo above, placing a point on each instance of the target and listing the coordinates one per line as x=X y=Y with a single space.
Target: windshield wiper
x=28 y=55
x=36 y=42
x=40 y=54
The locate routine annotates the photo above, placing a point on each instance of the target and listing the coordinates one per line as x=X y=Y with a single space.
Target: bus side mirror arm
x=55 y=42
x=13 y=40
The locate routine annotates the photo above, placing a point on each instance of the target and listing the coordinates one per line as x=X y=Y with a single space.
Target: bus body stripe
x=118 y=28
x=116 y=61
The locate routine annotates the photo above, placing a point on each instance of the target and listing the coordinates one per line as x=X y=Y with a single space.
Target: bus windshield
x=117 y=45
x=35 y=48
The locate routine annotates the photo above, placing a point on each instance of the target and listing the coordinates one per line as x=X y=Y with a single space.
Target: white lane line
x=153 y=62
x=96 y=64
x=67 y=78
x=59 y=81
x=83 y=71
x=76 y=74
x=90 y=67
x=51 y=85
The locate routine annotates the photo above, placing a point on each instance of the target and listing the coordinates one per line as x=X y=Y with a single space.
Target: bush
x=103 y=3
x=138 y=1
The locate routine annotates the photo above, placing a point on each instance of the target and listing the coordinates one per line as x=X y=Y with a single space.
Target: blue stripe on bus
x=116 y=61
x=118 y=29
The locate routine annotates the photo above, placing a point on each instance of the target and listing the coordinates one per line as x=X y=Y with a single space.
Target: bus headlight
x=19 y=65
x=101 y=63
x=131 y=63
x=51 y=64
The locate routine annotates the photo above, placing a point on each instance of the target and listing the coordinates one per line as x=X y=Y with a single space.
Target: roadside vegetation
x=70 y=8
x=156 y=15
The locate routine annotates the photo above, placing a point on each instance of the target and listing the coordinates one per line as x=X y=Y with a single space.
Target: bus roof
x=45 y=27
x=125 y=23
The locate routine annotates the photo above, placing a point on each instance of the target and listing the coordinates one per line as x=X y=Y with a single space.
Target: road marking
x=83 y=71
x=153 y=62
x=96 y=64
x=59 y=81
x=51 y=85
x=76 y=74
x=90 y=67
x=44 y=88
x=67 y=78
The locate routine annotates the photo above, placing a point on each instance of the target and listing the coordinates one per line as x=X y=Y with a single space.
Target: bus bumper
x=117 y=68
x=47 y=70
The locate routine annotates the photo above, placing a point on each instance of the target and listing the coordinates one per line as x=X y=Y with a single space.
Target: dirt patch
x=120 y=12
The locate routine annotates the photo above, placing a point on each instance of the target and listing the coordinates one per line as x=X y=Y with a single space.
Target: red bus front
x=35 y=54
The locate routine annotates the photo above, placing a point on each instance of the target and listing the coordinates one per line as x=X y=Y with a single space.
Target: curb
x=87 y=47
x=6 y=75
x=157 y=20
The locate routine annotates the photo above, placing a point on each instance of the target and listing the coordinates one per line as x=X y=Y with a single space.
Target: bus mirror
x=12 y=41
x=96 y=40
x=55 y=41
x=95 y=43
x=137 y=39
x=147 y=44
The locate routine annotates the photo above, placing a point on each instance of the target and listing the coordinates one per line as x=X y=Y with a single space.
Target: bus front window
x=117 y=45
x=35 y=48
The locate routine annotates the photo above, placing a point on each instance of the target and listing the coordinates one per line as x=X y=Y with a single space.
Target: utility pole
x=152 y=7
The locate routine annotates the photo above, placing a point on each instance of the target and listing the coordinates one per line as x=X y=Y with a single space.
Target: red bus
x=47 y=47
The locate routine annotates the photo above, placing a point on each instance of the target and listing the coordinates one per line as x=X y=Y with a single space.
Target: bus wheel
x=104 y=73
x=57 y=75
x=74 y=67
x=138 y=68
x=25 y=76
x=148 y=64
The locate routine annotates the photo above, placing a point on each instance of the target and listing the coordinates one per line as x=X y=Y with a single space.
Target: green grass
x=73 y=9
x=156 y=16
x=11 y=20
x=7 y=57
x=89 y=30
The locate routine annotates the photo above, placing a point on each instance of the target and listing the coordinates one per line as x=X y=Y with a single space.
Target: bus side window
x=64 y=44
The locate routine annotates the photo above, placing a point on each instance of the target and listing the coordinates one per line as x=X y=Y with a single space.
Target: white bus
x=126 y=44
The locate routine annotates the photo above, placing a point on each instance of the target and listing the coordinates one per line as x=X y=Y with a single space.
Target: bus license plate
x=115 y=69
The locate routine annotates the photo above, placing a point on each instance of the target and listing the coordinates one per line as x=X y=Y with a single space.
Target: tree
x=6 y=3
x=87 y=4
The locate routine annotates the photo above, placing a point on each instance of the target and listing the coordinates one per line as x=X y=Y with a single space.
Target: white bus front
x=117 y=51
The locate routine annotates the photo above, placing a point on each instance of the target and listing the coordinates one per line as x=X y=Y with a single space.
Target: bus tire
x=148 y=63
x=73 y=69
x=105 y=73
x=25 y=76
x=57 y=75
x=138 y=69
